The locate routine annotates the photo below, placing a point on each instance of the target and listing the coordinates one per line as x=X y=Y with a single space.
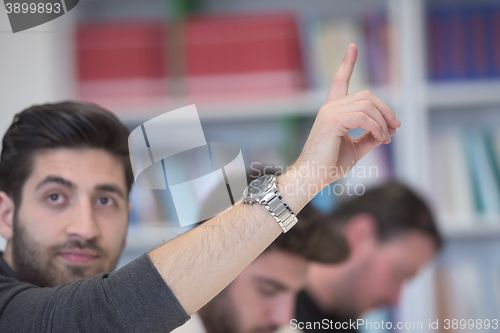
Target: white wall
x=35 y=67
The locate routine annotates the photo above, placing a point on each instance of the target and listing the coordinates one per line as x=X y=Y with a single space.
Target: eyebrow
x=70 y=185
x=55 y=179
x=111 y=188
x=276 y=284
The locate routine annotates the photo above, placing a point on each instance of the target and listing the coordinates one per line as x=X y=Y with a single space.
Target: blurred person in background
x=391 y=234
x=262 y=298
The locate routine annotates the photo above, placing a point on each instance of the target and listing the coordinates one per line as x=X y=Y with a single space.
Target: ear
x=361 y=233
x=6 y=216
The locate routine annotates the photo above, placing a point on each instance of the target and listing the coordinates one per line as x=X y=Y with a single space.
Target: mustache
x=77 y=244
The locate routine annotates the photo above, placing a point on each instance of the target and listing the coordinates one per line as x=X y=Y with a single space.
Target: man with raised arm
x=64 y=183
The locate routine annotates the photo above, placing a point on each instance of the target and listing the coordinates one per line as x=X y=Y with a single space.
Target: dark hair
x=396 y=208
x=60 y=125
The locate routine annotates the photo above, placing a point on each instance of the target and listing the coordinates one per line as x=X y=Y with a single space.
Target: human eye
x=267 y=290
x=56 y=199
x=106 y=201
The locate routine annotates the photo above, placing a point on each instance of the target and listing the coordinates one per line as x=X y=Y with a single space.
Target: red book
x=121 y=59
x=243 y=53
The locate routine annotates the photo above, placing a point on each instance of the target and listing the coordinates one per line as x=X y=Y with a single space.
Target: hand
x=329 y=152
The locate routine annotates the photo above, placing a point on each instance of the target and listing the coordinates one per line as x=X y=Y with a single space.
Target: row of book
x=200 y=55
x=464 y=42
x=272 y=53
x=468 y=293
x=241 y=54
x=466 y=176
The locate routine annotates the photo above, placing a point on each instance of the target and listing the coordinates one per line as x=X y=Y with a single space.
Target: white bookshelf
x=483 y=230
x=469 y=94
x=419 y=103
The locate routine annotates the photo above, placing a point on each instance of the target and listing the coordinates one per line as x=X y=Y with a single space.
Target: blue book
x=488 y=193
x=493 y=157
x=456 y=43
x=479 y=48
x=464 y=42
x=494 y=40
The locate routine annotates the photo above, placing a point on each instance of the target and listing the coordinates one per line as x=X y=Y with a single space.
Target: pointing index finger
x=340 y=83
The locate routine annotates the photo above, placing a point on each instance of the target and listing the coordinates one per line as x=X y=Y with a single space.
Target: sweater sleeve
x=132 y=299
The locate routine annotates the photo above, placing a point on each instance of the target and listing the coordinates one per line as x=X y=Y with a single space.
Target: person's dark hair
x=60 y=125
x=313 y=238
x=396 y=208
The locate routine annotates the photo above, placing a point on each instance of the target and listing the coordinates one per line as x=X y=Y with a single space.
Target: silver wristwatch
x=263 y=190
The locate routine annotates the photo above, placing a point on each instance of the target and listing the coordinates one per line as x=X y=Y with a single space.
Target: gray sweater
x=132 y=299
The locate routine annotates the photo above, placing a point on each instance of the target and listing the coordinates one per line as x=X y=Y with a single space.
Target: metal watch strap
x=276 y=205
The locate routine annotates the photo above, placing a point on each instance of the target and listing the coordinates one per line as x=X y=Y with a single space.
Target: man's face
x=379 y=276
x=261 y=298
x=73 y=216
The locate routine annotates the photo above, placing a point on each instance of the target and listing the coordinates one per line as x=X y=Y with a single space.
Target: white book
x=466 y=287
x=438 y=196
x=335 y=37
x=457 y=179
x=495 y=274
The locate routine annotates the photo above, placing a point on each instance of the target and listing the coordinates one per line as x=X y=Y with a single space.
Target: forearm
x=200 y=263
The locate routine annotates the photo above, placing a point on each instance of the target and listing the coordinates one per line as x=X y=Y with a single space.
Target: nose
x=283 y=311
x=83 y=222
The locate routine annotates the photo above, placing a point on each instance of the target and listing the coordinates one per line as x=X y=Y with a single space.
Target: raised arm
x=200 y=263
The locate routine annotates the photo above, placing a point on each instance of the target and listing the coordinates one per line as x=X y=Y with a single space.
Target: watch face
x=259 y=186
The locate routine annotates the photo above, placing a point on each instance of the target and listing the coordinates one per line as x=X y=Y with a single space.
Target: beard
x=42 y=266
x=221 y=316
